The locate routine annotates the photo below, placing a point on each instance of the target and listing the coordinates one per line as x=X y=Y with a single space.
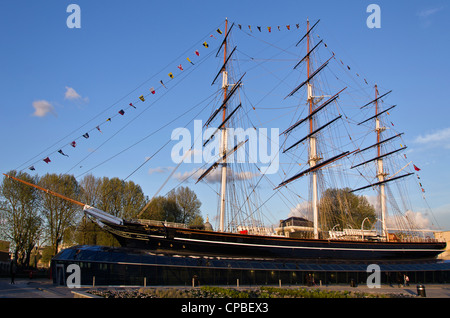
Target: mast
x=313 y=158
x=224 y=136
x=380 y=170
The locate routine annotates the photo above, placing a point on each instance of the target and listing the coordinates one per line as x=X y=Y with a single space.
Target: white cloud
x=426 y=16
x=429 y=12
x=71 y=94
x=415 y=219
x=42 y=108
x=160 y=170
x=439 y=138
x=301 y=210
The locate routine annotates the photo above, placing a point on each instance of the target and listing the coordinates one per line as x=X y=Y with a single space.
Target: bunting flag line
x=269 y=28
x=297 y=26
x=142 y=98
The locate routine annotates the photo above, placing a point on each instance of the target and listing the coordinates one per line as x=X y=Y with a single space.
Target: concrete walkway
x=32 y=288
x=44 y=288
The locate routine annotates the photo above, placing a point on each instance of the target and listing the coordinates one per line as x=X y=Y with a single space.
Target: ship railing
x=338 y=235
x=165 y=223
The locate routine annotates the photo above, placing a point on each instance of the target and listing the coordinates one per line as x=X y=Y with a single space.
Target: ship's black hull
x=209 y=243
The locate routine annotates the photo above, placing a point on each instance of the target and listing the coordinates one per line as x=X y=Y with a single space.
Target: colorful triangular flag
x=131 y=104
x=86 y=135
x=73 y=144
x=47 y=160
x=61 y=152
x=121 y=112
x=415 y=167
x=142 y=98
x=189 y=61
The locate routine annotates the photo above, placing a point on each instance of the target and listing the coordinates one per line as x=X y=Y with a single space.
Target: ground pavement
x=44 y=288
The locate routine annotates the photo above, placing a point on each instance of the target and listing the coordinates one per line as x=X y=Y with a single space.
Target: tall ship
x=330 y=150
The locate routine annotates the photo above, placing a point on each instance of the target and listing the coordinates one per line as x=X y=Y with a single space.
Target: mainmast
x=224 y=136
x=315 y=162
x=313 y=158
x=380 y=173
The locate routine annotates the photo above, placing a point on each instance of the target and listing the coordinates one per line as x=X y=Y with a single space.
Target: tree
x=162 y=209
x=187 y=202
x=120 y=198
x=60 y=215
x=343 y=208
x=114 y=196
x=21 y=223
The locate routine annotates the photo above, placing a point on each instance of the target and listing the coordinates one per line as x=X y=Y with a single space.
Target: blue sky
x=54 y=79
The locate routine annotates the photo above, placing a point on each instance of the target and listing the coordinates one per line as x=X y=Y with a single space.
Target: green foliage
x=33 y=217
x=343 y=208
x=222 y=292
x=19 y=211
x=181 y=206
